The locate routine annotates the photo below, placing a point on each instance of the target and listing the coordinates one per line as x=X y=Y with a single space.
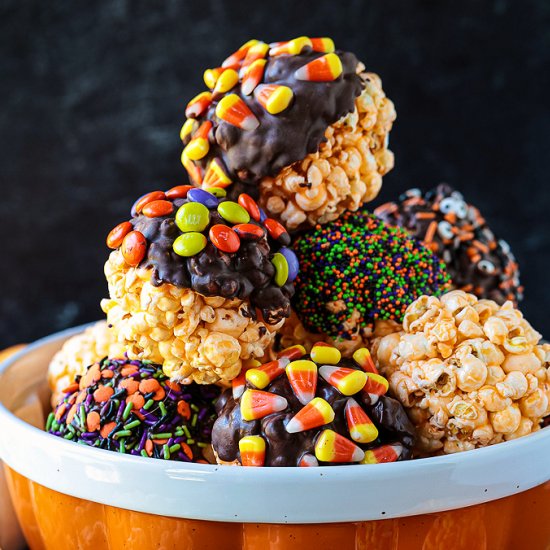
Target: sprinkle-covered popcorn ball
x=132 y=407
x=300 y=124
x=197 y=282
x=469 y=372
x=476 y=260
x=358 y=270
x=310 y=410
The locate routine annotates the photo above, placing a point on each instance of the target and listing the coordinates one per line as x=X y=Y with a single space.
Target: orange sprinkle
x=130 y=385
x=107 y=429
x=71 y=414
x=93 y=375
x=428 y=238
x=70 y=389
x=187 y=450
x=137 y=399
x=159 y=394
x=184 y=410
x=174 y=386
x=103 y=393
x=81 y=397
x=107 y=374
x=425 y=215
x=93 y=421
x=128 y=370
x=60 y=411
x=481 y=246
x=149 y=447
x=148 y=386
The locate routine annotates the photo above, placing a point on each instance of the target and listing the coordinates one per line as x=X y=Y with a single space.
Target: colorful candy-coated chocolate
x=323 y=69
x=375 y=386
x=189 y=244
x=189 y=126
x=260 y=377
x=194 y=171
x=324 y=354
x=224 y=238
x=215 y=175
x=235 y=59
x=292 y=47
x=292 y=261
x=256 y=404
x=203 y=197
x=226 y=81
x=233 y=212
x=253 y=75
x=281 y=268
x=325 y=45
x=384 y=453
x=246 y=201
x=308 y=461
x=148 y=197
x=192 y=216
x=263 y=215
x=363 y=358
x=302 y=375
x=273 y=97
x=233 y=110
x=293 y=352
x=252 y=450
x=274 y=228
x=198 y=105
x=346 y=381
x=218 y=192
x=333 y=447
x=360 y=426
x=315 y=414
x=211 y=76
x=133 y=248
x=117 y=234
x=156 y=209
x=249 y=231
x=178 y=192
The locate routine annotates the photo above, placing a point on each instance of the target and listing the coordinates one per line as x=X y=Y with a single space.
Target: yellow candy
x=360 y=426
x=363 y=358
x=273 y=98
x=227 y=80
x=325 y=355
x=215 y=175
x=292 y=47
x=325 y=45
x=189 y=126
x=197 y=148
x=346 y=381
x=211 y=76
x=333 y=447
x=252 y=449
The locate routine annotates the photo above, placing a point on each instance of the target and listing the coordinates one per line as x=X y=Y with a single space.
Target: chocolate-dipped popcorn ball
x=132 y=407
x=197 y=282
x=477 y=261
x=310 y=410
x=357 y=272
x=469 y=372
x=299 y=123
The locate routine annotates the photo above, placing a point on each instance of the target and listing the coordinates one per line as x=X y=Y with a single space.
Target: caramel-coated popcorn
x=470 y=372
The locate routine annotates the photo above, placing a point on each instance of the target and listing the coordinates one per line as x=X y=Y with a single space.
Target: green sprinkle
x=186 y=431
x=50 y=421
x=202 y=445
x=127 y=411
x=166 y=450
x=194 y=420
x=149 y=404
x=122 y=433
x=194 y=407
x=190 y=442
x=122 y=448
x=162 y=436
x=68 y=436
x=132 y=425
x=144 y=453
x=162 y=408
x=175 y=448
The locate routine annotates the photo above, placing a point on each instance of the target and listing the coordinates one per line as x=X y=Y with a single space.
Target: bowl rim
x=76 y=470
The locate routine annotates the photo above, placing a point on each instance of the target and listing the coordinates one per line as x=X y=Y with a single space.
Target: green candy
x=217 y=192
x=192 y=216
x=233 y=212
x=189 y=244
x=281 y=269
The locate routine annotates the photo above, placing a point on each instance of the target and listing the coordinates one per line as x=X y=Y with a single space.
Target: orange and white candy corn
x=333 y=447
x=292 y=47
x=273 y=98
x=211 y=76
x=194 y=171
x=258 y=51
x=253 y=76
x=238 y=384
x=189 y=126
x=315 y=414
x=235 y=59
x=262 y=376
x=325 y=45
x=293 y=352
x=363 y=358
x=375 y=386
x=252 y=449
x=198 y=105
x=308 y=461
x=360 y=426
x=346 y=381
x=324 y=354
x=323 y=69
x=233 y=110
x=256 y=404
x=227 y=80
x=215 y=175
x=385 y=453
x=198 y=147
x=302 y=375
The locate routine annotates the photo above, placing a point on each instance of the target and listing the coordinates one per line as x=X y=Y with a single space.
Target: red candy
x=150 y=197
x=117 y=234
x=178 y=192
x=156 y=209
x=274 y=228
x=224 y=238
x=134 y=247
x=249 y=231
x=249 y=204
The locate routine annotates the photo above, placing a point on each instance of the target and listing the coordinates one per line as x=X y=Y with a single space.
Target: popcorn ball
x=477 y=261
x=298 y=124
x=132 y=407
x=197 y=282
x=310 y=410
x=470 y=372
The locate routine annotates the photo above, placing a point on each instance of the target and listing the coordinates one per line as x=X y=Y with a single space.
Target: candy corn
x=194 y=171
x=227 y=80
x=233 y=109
x=363 y=358
x=308 y=461
x=292 y=47
x=216 y=175
x=346 y=381
x=238 y=384
x=333 y=447
x=258 y=51
x=235 y=59
x=256 y=404
x=198 y=105
x=385 y=453
x=324 y=354
x=189 y=126
x=261 y=377
x=293 y=352
x=211 y=76
x=302 y=376
x=252 y=449
x=325 y=45
x=253 y=76
x=360 y=426
x=198 y=147
x=375 y=386
x=316 y=413
x=274 y=98
x=323 y=69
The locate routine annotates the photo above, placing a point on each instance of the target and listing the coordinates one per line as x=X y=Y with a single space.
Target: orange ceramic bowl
x=68 y=495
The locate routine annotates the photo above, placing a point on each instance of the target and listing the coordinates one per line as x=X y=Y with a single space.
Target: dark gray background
x=92 y=100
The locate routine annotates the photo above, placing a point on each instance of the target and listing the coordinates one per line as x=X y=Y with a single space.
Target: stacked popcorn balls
x=302 y=410
x=470 y=372
x=298 y=124
x=477 y=261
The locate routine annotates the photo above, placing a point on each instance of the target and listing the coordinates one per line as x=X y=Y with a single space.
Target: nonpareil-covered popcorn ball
x=470 y=373
x=477 y=261
x=198 y=283
x=298 y=124
x=132 y=407
x=310 y=410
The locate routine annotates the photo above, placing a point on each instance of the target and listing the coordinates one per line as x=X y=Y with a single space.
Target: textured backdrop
x=92 y=99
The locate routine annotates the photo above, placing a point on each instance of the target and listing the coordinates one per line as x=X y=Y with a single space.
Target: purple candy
x=293 y=264
x=202 y=196
x=263 y=215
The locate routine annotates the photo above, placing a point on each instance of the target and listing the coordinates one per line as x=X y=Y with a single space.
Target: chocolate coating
x=477 y=261
x=285 y=449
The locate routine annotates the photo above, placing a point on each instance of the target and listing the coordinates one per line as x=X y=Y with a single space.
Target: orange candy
x=198 y=105
x=224 y=238
x=308 y=461
x=133 y=248
x=178 y=192
x=363 y=358
x=293 y=352
x=215 y=175
x=256 y=404
x=184 y=410
x=360 y=426
x=325 y=45
x=107 y=429
x=250 y=205
x=194 y=171
x=156 y=209
x=236 y=58
x=93 y=421
x=149 y=197
x=375 y=386
x=316 y=413
x=131 y=386
x=233 y=110
x=253 y=76
x=260 y=377
x=323 y=69
x=103 y=393
x=249 y=231
x=333 y=447
x=384 y=453
x=346 y=381
x=274 y=228
x=252 y=449
x=117 y=234
x=302 y=375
